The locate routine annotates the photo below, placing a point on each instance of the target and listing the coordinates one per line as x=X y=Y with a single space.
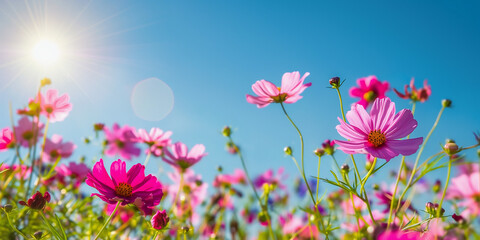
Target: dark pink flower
x=237 y=177
x=6 y=138
x=37 y=201
x=421 y=94
x=54 y=107
x=77 y=171
x=24 y=132
x=121 y=141
x=289 y=92
x=55 y=148
x=399 y=235
x=369 y=89
x=160 y=220
x=21 y=171
x=179 y=157
x=124 y=214
x=377 y=132
x=269 y=177
x=297 y=228
x=131 y=187
x=466 y=188
x=156 y=140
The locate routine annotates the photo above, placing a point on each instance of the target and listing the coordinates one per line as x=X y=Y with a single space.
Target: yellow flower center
x=280 y=97
x=370 y=96
x=376 y=138
x=124 y=190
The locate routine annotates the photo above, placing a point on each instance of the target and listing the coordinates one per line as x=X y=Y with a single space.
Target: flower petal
x=402 y=125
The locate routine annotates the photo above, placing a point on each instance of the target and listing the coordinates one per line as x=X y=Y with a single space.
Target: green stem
x=180 y=189
x=155 y=235
x=336 y=163
x=148 y=158
x=446 y=186
x=414 y=170
x=318 y=175
x=392 y=201
x=13 y=226
x=341 y=103
x=52 y=229
x=303 y=168
x=108 y=220
x=362 y=188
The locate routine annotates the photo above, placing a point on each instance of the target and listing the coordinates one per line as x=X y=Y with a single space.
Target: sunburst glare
x=46 y=52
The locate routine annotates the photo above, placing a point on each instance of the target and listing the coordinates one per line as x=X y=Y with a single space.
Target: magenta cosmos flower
x=54 y=107
x=24 y=132
x=289 y=92
x=54 y=147
x=377 y=132
x=156 y=140
x=121 y=141
x=369 y=89
x=466 y=187
x=180 y=158
x=415 y=94
x=6 y=138
x=131 y=187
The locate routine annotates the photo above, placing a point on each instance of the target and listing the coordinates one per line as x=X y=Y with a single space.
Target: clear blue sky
x=211 y=52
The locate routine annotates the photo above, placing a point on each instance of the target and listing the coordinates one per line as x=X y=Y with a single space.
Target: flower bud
x=263 y=217
x=160 y=220
x=458 y=218
x=37 y=201
x=98 y=127
x=185 y=229
x=86 y=140
x=8 y=208
x=478 y=153
x=345 y=168
x=368 y=165
x=450 y=148
x=44 y=82
x=446 y=103
x=334 y=82
x=437 y=186
x=319 y=152
x=288 y=150
x=227 y=131
x=432 y=208
x=38 y=235
x=100 y=219
x=219 y=168
x=376 y=187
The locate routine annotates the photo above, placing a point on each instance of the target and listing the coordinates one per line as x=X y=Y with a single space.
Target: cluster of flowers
x=372 y=127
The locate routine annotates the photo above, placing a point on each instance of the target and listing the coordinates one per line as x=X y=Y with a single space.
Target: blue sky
x=211 y=52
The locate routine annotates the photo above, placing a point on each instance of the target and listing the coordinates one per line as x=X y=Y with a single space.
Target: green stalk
x=318 y=175
x=108 y=220
x=446 y=186
x=13 y=226
x=52 y=229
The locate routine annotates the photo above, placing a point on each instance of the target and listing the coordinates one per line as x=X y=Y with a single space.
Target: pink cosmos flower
x=160 y=220
x=24 y=132
x=55 y=148
x=122 y=214
x=6 y=138
x=421 y=94
x=289 y=92
x=54 y=107
x=180 y=158
x=131 y=187
x=122 y=141
x=399 y=235
x=21 y=171
x=369 y=89
x=376 y=133
x=353 y=227
x=293 y=225
x=156 y=140
x=237 y=177
x=269 y=177
x=347 y=205
x=466 y=188
x=77 y=171
x=196 y=189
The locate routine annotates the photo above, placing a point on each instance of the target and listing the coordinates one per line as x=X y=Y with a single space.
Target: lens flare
x=46 y=52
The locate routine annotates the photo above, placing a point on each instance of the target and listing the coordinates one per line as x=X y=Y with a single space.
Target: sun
x=46 y=52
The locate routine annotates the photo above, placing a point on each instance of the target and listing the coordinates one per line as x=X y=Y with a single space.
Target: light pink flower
x=466 y=188
x=156 y=140
x=347 y=205
x=24 y=132
x=353 y=227
x=6 y=138
x=421 y=94
x=179 y=157
x=54 y=107
x=55 y=148
x=131 y=187
x=289 y=92
x=294 y=225
x=237 y=177
x=77 y=171
x=269 y=177
x=122 y=141
x=124 y=214
x=376 y=133
x=369 y=89
x=21 y=171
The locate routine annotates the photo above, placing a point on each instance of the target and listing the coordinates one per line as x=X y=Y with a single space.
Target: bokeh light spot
x=152 y=99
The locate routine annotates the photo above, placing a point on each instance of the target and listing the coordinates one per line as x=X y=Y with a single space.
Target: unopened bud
x=458 y=218
x=368 y=165
x=263 y=217
x=288 y=150
x=8 y=208
x=450 y=148
x=227 y=131
x=446 y=103
x=185 y=229
x=376 y=187
x=86 y=140
x=319 y=152
x=334 y=82
x=38 y=235
x=44 y=82
x=345 y=168
x=437 y=186
x=100 y=218
x=219 y=168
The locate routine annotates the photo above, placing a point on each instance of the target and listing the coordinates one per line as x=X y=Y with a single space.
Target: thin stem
x=392 y=201
x=108 y=220
x=341 y=103
x=318 y=175
x=148 y=158
x=362 y=188
x=336 y=163
x=13 y=226
x=355 y=211
x=414 y=170
x=446 y=186
x=52 y=229
x=303 y=169
x=180 y=189
x=155 y=235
